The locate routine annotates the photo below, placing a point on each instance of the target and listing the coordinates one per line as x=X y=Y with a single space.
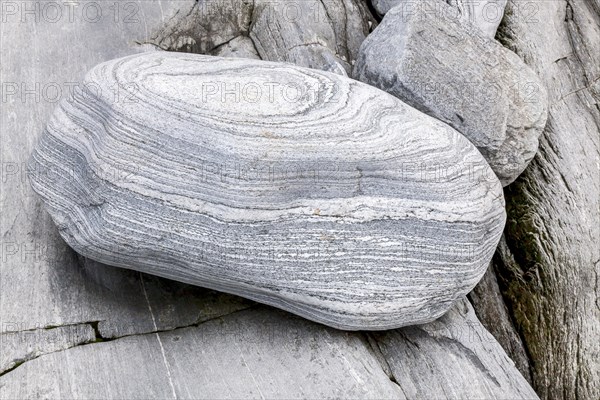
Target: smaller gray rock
x=452 y=72
x=383 y=6
x=323 y=35
x=484 y=14
x=238 y=47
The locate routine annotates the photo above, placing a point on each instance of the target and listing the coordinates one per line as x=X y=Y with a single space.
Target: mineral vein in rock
x=301 y=189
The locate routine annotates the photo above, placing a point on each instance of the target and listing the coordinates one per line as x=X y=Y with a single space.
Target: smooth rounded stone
x=486 y=15
x=339 y=203
x=452 y=72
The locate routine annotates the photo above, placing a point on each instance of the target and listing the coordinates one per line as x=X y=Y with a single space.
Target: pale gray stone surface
x=549 y=264
x=265 y=353
x=317 y=34
x=203 y=26
x=139 y=303
x=42 y=283
x=240 y=46
x=18 y=346
x=321 y=34
x=486 y=15
x=317 y=203
x=488 y=301
x=463 y=360
x=452 y=72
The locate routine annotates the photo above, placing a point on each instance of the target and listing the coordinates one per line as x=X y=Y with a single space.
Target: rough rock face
x=240 y=46
x=310 y=33
x=474 y=351
x=318 y=34
x=450 y=71
x=548 y=264
x=263 y=352
x=486 y=15
x=206 y=343
x=341 y=204
x=489 y=304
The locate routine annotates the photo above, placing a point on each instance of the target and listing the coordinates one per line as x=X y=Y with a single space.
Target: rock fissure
x=99 y=338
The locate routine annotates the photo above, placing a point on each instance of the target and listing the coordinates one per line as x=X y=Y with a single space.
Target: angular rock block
x=452 y=72
x=298 y=188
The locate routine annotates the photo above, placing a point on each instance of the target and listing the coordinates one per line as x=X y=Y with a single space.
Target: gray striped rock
x=486 y=15
x=452 y=72
x=298 y=188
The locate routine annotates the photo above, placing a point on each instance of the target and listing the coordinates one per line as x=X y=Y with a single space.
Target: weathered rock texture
x=44 y=285
x=458 y=352
x=251 y=354
x=486 y=15
x=549 y=265
x=341 y=203
x=270 y=354
x=310 y=33
x=21 y=346
x=489 y=303
x=450 y=71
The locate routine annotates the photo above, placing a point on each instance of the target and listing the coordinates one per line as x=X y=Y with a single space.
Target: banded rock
x=452 y=72
x=341 y=204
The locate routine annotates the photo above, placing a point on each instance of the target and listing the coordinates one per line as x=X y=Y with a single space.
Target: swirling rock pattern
x=451 y=71
x=298 y=188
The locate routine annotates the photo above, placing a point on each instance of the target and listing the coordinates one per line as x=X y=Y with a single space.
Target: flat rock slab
x=463 y=360
x=451 y=71
x=264 y=353
x=42 y=284
x=247 y=355
x=21 y=346
x=340 y=204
